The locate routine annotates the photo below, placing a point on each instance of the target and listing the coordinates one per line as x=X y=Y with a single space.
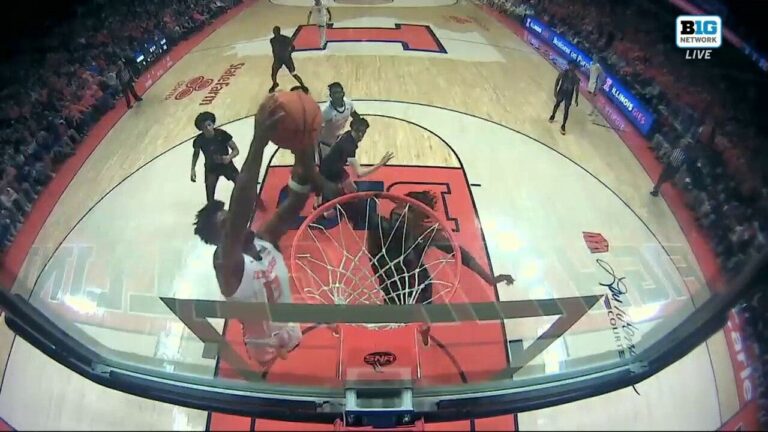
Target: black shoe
x=273 y=88
x=654 y=193
x=552 y=119
x=424 y=331
x=562 y=130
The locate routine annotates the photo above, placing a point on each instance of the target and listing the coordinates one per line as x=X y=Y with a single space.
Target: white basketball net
x=337 y=264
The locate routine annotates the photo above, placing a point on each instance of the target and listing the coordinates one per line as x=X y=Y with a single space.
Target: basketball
x=300 y=123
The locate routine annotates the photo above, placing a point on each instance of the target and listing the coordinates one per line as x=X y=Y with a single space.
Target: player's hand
x=576 y=102
x=193 y=176
x=508 y=279
x=282 y=353
x=267 y=116
x=226 y=159
x=386 y=158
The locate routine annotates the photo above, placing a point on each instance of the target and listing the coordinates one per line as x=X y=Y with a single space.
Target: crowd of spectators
x=717 y=105
x=51 y=96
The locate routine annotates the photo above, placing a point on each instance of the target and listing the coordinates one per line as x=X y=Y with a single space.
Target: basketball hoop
x=331 y=262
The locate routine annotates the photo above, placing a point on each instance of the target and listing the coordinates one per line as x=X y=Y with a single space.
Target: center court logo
x=184 y=89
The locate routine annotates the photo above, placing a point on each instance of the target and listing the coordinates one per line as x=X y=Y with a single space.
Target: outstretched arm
x=363 y=172
x=246 y=192
x=274 y=229
x=469 y=261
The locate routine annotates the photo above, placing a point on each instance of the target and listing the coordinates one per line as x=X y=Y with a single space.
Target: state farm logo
x=184 y=89
x=197 y=83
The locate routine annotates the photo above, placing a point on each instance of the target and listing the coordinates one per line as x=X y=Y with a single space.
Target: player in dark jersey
x=406 y=236
x=343 y=152
x=215 y=144
x=566 y=86
x=282 y=55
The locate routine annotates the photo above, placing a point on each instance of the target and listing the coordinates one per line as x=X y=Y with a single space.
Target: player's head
x=336 y=92
x=572 y=65
x=359 y=127
x=276 y=30
x=209 y=222
x=428 y=198
x=205 y=121
x=318 y=2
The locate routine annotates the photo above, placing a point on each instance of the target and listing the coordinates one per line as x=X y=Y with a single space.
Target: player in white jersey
x=336 y=115
x=320 y=15
x=596 y=77
x=248 y=265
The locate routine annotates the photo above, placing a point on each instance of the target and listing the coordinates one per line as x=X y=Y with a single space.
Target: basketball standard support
x=378 y=371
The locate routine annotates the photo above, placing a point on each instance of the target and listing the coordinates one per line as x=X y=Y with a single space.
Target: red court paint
x=413 y=37
x=316 y=361
x=16 y=254
x=4 y=426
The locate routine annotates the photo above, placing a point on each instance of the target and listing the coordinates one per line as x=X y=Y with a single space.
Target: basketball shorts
x=286 y=62
x=228 y=171
x=565 y=97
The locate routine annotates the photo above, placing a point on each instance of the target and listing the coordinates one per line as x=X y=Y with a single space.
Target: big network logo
x=699 y=31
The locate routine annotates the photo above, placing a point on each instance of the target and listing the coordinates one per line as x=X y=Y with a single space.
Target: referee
x=675 y=162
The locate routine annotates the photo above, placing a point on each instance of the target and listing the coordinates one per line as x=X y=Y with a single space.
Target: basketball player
x=248 y=265
x=398 y=245
x=282 y=55
x=335 y=117
x=322 y=16
x=332 y=166
x=215 y=144
x=566 y=86
x=596 y=75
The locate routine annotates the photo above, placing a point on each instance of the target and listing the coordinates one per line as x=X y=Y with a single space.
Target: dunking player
x=332 y=166
x=248 y=265
x=282 y=55
x=335 y=117
x=322 y=16
x=566 y=86
x=215 y=144
x=398 y=245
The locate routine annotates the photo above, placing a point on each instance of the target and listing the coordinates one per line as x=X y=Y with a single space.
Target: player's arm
x=235 y=152
x=309 y=16
x=363 y=172
x=195 y=157
x=469 y=261
x=244 y=196
x=274 y=229
x=558 y=81
x=330 y=15
x=576 y=90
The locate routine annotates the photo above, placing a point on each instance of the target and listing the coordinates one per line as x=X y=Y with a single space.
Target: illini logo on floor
x=184 y=89
x=595 y=242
